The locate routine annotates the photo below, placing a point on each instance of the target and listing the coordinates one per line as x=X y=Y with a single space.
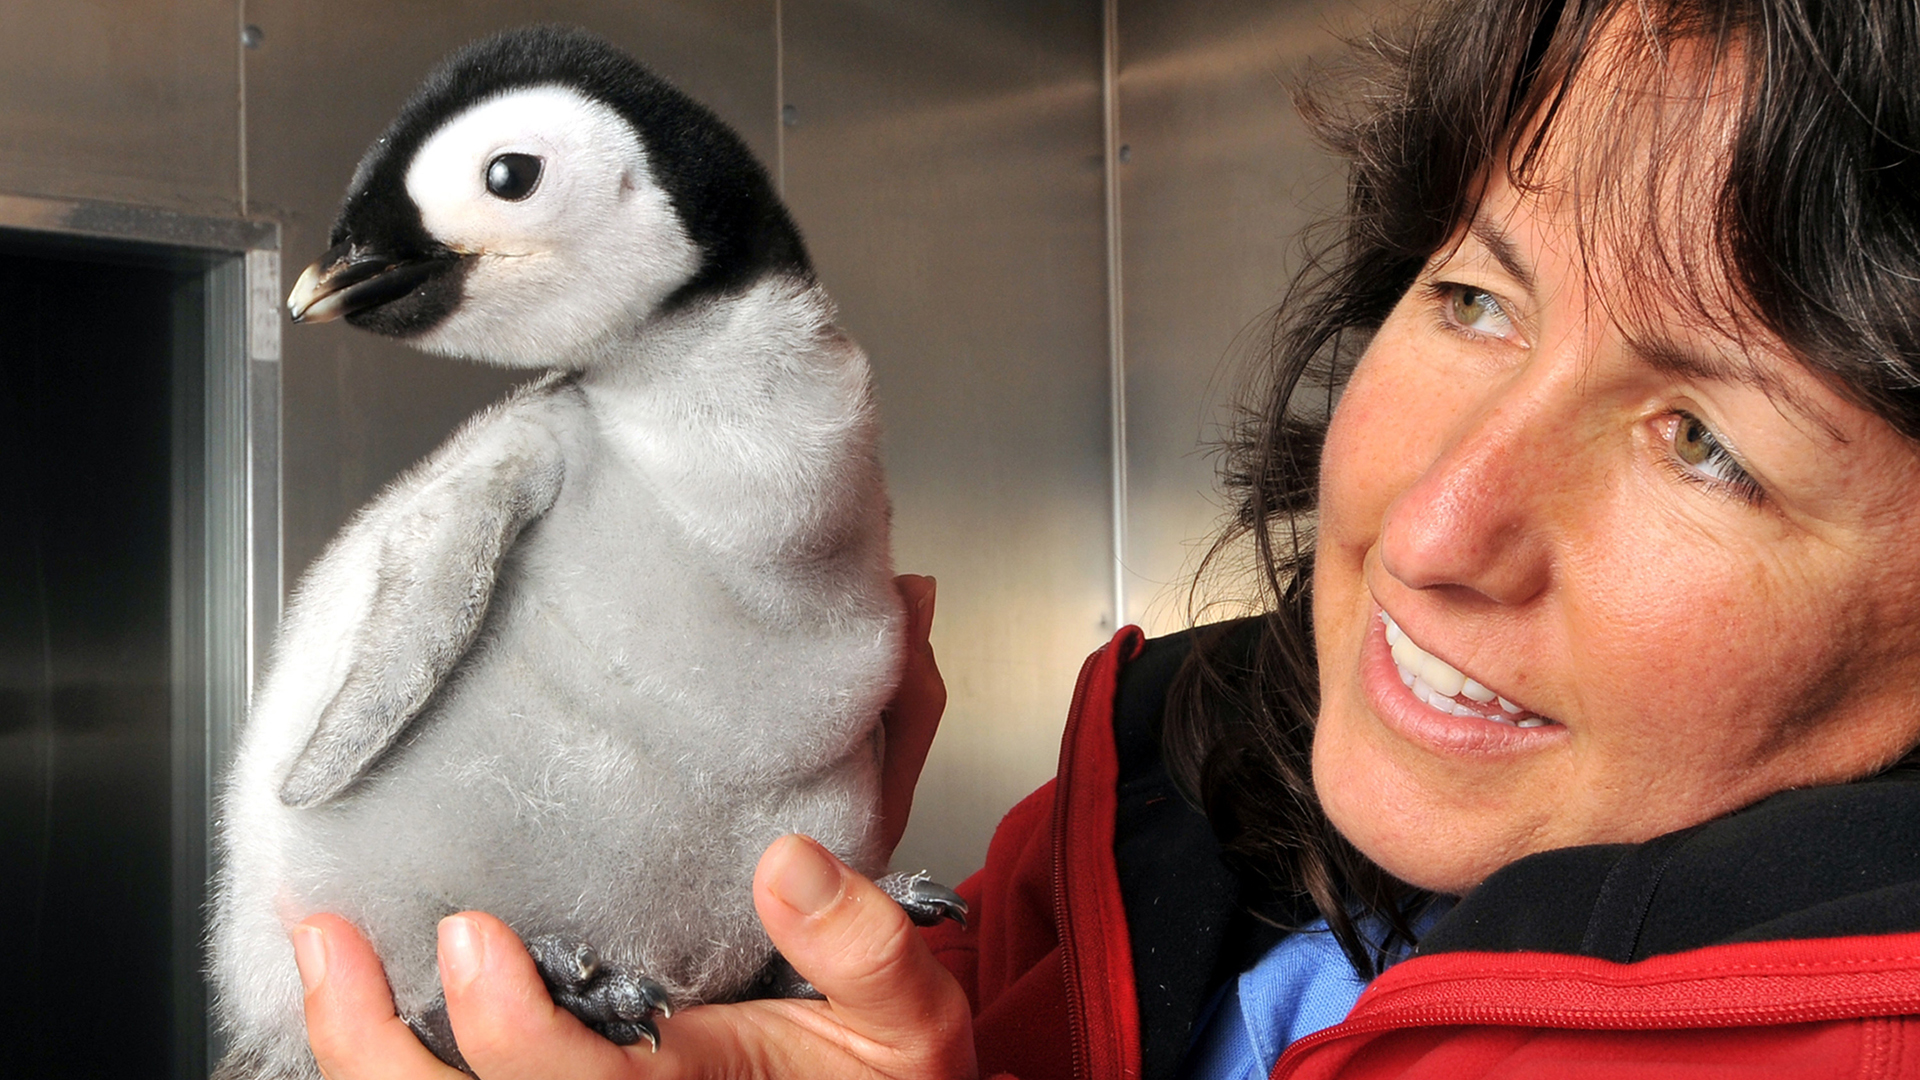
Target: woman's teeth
x=1440 y=686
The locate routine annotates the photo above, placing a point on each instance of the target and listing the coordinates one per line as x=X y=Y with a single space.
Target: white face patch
x=589 y=252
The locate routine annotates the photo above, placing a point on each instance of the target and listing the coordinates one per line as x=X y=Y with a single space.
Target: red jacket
x=1047 y=964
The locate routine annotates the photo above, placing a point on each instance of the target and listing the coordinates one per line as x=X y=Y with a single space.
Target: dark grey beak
x=350 y=278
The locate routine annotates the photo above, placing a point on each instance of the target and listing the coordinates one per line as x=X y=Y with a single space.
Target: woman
x=1605 y=626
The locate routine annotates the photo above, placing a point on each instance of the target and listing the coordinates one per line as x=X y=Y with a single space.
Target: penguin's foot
x=779 y=980
x=433 y=1029
x=616 y=1003
x=925 y=902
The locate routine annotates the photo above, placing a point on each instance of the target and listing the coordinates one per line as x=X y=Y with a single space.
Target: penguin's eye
x=513 y=176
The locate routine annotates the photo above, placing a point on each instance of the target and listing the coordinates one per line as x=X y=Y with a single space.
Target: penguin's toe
x=618 y=1003
x=925 y=902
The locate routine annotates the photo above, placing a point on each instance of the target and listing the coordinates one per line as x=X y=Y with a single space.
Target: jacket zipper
x=1063 y=914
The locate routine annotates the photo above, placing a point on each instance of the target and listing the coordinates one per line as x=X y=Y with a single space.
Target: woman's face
x=1691 y=567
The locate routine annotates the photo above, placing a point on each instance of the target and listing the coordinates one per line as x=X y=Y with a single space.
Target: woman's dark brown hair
x=1815 y=236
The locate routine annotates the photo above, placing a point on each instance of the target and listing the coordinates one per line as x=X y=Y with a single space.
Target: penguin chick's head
x=541 y=195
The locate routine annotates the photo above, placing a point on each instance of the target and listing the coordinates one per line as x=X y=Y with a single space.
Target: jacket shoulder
x=1799 y=1008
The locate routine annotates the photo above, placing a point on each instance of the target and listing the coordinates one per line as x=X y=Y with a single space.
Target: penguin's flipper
x=440 y=555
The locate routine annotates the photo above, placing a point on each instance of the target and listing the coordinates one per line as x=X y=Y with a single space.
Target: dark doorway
x=101 y=845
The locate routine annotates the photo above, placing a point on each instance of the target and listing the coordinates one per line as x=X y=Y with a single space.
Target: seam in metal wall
x=1116 y=294
x=946 y=163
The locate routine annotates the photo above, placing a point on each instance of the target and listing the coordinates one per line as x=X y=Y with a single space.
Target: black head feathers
x=722 y=195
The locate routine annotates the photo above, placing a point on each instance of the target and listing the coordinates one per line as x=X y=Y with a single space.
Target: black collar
x=1809 y=863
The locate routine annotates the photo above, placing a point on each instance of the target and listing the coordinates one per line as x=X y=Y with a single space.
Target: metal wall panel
x=324 y=81
x=944 y=160
x=127 y=102
x=1219 y=178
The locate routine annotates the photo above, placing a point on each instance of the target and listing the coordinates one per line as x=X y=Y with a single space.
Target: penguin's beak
x=351 y=277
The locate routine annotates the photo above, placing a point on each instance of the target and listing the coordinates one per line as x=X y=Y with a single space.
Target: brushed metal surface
x=944 y=160
x=124 y=102
x=323 y=83
x=1219 y=178
x=142 y=224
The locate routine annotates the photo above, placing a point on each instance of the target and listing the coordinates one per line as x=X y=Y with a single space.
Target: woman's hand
x=914 y=715
x=891 y=1009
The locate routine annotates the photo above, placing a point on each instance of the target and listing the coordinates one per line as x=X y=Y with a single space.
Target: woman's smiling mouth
x=1408 y=686
x=1442 y=687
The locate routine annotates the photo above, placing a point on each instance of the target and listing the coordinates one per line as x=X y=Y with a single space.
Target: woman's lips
x=1429 y=701
x=1443 y=687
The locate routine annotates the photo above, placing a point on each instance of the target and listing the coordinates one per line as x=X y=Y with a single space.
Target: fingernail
x=310 y=956
x=807 y=878
x=461 y=952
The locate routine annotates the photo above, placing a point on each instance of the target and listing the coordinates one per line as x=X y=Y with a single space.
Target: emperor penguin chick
x=580 y=666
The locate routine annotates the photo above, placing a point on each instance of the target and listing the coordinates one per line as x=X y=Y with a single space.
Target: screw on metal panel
x=251 y=36
x=790 y=115
x=1126 y=154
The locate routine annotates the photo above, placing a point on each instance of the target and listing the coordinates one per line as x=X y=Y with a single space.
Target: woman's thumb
x=856 y=946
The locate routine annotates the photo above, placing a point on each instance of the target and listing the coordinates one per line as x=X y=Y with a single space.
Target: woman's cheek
x=1362 y=461
x=1403 y=396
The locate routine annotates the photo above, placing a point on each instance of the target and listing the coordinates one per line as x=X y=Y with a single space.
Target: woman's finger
x=350 y=1019
x=914 y=715
x=509 y=1029
x=902 y=1013
x=503 y=1017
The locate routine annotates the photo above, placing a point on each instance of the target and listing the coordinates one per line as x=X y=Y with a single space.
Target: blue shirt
x=1301 y=985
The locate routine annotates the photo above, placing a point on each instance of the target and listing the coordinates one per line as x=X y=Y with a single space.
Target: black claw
x=941 y=903
x=618 y=1004
x=586 y=962
x=636 y=997
x=628 y=1032
x=925 y=902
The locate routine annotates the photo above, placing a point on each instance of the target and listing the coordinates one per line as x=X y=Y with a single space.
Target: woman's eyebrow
x=1674 y=359
x=1503 y=249
x=1663 y=354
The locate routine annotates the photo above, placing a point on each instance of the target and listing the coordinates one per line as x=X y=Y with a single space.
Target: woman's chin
x=1418 y=843
x=1438 y=800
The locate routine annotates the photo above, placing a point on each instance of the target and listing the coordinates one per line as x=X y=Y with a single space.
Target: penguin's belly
x=608 y=764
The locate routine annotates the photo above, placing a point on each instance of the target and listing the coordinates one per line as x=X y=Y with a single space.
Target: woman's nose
x=1480 y=517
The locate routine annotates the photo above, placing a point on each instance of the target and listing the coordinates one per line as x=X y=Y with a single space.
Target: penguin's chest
x=613 y=629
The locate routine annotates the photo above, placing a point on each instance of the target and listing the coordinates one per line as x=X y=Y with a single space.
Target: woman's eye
x=513 y=176
x=1475 y=311
x=1700 y=456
